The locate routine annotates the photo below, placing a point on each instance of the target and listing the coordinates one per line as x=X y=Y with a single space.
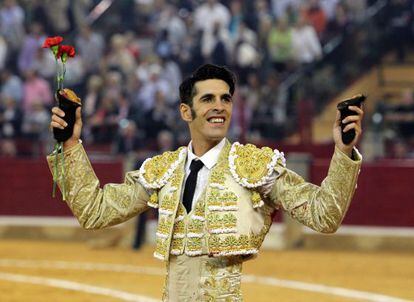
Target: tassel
x=63 y=173
x=256 y=200
x=55 y=169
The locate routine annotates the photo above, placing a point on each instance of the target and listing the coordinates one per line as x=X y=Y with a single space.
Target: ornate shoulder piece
x=251 y=166
x=156 y=171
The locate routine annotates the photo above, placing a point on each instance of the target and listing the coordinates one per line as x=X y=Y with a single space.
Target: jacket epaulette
x=251 y=166
x=156 y=171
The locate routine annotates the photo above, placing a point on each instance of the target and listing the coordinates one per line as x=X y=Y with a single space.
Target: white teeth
x=216 y=120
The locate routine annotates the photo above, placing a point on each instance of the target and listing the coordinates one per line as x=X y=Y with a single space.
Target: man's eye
x=227 y=100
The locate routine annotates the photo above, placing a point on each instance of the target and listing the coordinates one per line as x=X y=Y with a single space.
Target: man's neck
x=202 y=147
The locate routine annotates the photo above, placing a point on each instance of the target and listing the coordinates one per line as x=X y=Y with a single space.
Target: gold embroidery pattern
x=251 y=166
x=195 y=228
x=153 y=202
x=224 y=245
x=180 y=212
x=194 y=246
x=219 y=223
x=164 y=226
x=179 y=228
x=221 y=280
x=168 y=204
x=161 y=248
x=199 y=211
x=256 y=200
x=156 y=171
x=217 y=176
x=177 y=246
x=226 y=201
x=177 y=178
x=213 y=199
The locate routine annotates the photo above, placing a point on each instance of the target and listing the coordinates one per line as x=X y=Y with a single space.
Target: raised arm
x=323 y=208
x=93 y=206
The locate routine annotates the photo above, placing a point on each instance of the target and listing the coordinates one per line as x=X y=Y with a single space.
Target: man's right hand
x=58 y=122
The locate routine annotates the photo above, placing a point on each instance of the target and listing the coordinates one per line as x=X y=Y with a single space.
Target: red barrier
x=384 y=196
x=26 y=186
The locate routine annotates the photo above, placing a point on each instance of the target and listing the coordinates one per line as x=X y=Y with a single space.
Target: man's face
x=211 y=111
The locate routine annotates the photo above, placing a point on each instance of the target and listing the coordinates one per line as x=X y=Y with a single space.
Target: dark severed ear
x=68 y=101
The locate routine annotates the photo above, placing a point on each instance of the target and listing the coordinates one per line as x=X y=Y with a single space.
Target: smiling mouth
x=216 y=120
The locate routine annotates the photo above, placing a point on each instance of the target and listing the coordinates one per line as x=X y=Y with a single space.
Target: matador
x=215 y=199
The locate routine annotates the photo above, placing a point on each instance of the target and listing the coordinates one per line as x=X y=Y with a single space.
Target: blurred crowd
x=392 y=126
x=131 y=59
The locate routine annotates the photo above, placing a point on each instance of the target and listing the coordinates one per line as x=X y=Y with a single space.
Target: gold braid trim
x=251 y=166
x=156 y=171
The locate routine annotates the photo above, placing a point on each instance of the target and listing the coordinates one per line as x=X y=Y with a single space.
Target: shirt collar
x=209 y=158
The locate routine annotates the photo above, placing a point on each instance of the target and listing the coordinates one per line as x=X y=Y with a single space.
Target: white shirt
x=209 y=160
x=305 y=44
x=205 y=16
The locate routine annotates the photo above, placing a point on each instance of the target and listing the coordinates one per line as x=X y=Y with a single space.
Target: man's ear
x=185 y=111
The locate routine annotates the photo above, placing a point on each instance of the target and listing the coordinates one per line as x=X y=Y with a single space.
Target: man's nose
x=218 y=104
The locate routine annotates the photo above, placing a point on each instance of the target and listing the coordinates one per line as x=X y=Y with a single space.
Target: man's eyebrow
x=211 y=95
x=207 y=96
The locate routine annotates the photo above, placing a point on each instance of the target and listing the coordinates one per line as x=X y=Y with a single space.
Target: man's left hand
x=355 y=122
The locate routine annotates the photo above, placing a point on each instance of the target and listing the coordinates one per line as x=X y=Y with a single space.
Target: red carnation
x=65 y=51
x=52 y=41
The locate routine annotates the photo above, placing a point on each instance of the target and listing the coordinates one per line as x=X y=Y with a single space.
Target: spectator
x=315 y=16
x=11 y=118
x=11 y=86
x=150 y=87
x=280 y=45
x=246 y=54
x=211 y=13
x=401 y=19
x=104 y=122
x=159 y=118
x=3 y=52
x=236 y=18
x=280 y=7
x=170 y=21
x=119 y=58
x=89 y=42
x=130 y=138
x=306 y=47
x=36 y=126
x=329 y=7
x=12 y=24
x=57 y=14
x=31 y=45
x=35 y=90
x=402 y=117
x=219 y=52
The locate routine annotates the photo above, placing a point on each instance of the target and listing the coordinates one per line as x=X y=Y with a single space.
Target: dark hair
x=205 y=72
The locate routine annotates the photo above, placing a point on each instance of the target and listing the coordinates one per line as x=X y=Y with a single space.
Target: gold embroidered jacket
x=233 y=214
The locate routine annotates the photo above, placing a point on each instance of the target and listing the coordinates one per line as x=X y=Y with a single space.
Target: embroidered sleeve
x=97 y=207
x=322 y=208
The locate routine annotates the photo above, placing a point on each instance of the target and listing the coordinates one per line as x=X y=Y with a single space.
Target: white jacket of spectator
x=206 y=16
x=3 y=52
x=305 y=44
x=279 y=7
x=209 y=41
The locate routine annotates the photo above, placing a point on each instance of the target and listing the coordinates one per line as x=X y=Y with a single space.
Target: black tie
x=190 y=184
